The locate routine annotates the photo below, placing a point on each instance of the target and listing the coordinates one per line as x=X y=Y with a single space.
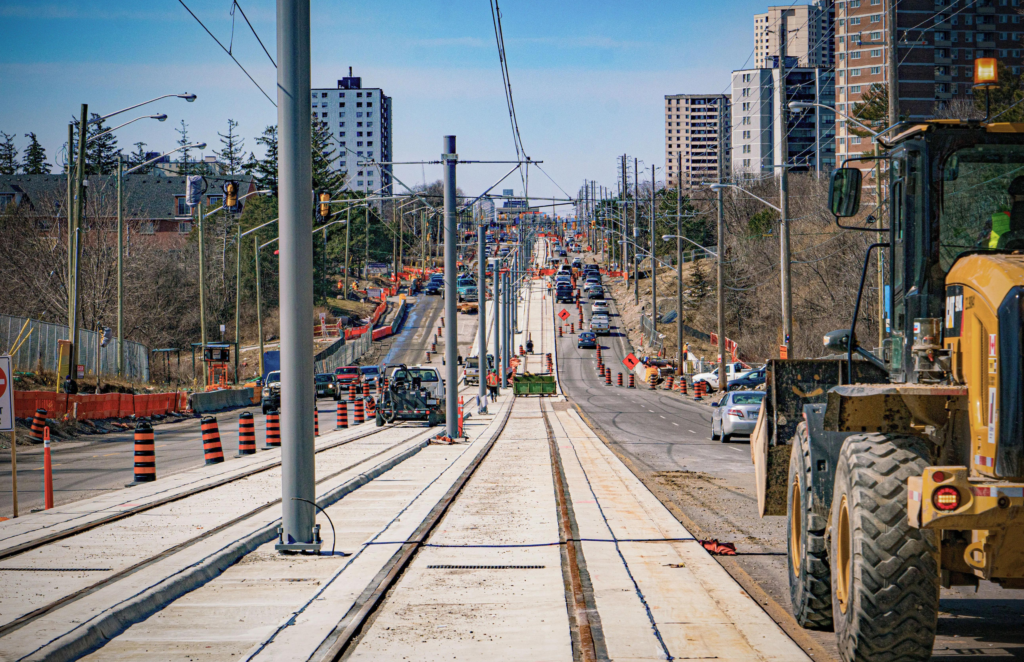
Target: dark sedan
x=586 y=340
x=752 y=379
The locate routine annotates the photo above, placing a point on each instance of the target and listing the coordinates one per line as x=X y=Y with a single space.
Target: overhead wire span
x=182 y=2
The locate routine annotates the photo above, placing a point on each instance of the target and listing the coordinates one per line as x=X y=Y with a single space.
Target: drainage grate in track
x=484 y=567
x=55 y=569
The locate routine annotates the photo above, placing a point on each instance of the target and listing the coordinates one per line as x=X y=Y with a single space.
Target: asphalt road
x=665 y=439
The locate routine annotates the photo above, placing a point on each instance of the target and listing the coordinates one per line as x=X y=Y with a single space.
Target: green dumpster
x=529 y=384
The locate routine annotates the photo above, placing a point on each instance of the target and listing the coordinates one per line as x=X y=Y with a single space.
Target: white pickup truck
x=733 y=370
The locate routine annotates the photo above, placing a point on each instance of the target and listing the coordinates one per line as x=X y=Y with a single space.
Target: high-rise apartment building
x=757 y=131
x=809 y=34
x=359 y=120
x=938 y=41
x=692 y=123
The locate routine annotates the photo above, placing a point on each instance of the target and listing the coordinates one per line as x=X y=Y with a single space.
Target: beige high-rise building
x=692 y=134
x=809 y=29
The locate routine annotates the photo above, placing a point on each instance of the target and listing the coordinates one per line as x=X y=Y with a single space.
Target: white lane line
x=675 y=424
x=692 y=432
x=661 y=416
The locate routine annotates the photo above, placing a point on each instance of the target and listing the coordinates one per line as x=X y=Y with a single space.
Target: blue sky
x=588 y=78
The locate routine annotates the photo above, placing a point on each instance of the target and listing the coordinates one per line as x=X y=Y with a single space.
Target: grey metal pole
x=238 y=292
x=77 y=253
x=496 y=331
x=202 y=290
x=451 y=323
x=481 y=297
x=295 y=211
x=679 y=263
x=787 y=293
x=636 y=236
x=348 y=235
x=506 y=326
x=723 y=375
x=259 y=303
x=71 y=228
x=120 y=270
x=654 y=261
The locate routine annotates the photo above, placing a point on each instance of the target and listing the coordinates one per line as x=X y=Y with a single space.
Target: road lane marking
x=675 y=424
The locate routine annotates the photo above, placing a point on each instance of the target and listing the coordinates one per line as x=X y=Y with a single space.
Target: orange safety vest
x=492 y=379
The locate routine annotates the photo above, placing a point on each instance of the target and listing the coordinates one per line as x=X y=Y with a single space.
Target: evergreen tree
x=186 y=165
x=8 y=155
x=265 y=169
x=35 y=158
x=233 y=152
x=138 y=157
x=325 y=176
x=872 y=109
x=100 y=152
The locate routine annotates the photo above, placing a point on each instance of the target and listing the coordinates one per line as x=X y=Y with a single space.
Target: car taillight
x=738 y=413
x=946 y=498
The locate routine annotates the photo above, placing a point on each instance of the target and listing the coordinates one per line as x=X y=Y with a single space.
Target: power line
x=253 y=31
x=507 y=84
x=227 y=51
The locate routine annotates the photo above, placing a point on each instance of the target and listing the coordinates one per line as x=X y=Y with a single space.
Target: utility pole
x=259 y=303
x=654 y=262
x=238 y=290
x=77 y=252
x=202 y=289
x=348 y=236
x=679 y=262
x=636 y=246
x=787 y=292
x=366 y=243
x=423 y=240
x=295 y=211
x=723 y=374
x=71 y=225
x=496 y=315
x=451 y=322
x=624 y=247
x=120 y=270
x=481 y=297
x=893 y=55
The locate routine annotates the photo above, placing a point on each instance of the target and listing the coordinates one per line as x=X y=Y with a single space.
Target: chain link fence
x=39 y=349
x=342 y=353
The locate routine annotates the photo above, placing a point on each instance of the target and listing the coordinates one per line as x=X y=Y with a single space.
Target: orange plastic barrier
x=92 y=407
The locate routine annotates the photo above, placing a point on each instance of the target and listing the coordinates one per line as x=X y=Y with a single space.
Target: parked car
x=735 y=371
x=752 y=379
x=345 y=375
x=736 y=413
x=270 y=399
x=327 y=386
x=586 y=340
x=600 y=307
x=370 y=374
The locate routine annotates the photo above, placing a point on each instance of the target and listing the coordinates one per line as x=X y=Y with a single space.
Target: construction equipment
x=406 y=399
x=902 y=471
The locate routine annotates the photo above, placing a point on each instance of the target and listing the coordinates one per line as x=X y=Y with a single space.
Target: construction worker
x=492 y=385
x=1008 y=226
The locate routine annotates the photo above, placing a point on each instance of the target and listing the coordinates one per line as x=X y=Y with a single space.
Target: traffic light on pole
x=324 y=207
x=231 y=194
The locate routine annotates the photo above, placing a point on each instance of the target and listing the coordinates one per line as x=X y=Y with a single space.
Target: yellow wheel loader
x=901 y=470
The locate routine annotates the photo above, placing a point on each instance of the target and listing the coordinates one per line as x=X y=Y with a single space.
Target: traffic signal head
x=231 y=194
x=325 y=209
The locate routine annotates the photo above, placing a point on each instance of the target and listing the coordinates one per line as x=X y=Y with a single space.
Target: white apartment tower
x=809 y=30
x=692 y=125
x=360 y=122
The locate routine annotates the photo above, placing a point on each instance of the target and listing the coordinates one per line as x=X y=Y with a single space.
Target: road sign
x=6 y=395
x=630 y=362
x=81 y=371
x=377 y=268
x=564 y=314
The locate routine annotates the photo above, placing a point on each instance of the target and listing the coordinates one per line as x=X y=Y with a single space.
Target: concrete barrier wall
x=204 y=403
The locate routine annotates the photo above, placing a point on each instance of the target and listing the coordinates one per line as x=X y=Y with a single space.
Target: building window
x=855 y=55
x=746 y=105
x=746 y=149
x=746 y=135
x=323 y=95
x=876 y=18
x=369 y=143
x=876 y=52
x=876 y=70
x=855 y=89
x=359 y=104
x=180 y=208
x=147 y=227
x=854 y=72
x=184 y=227
x=746 y=121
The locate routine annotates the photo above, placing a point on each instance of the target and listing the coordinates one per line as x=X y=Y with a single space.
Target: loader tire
x=885 y=573
x=810 y=577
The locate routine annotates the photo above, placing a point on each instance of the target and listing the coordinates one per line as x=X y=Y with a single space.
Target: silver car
x=736 y=413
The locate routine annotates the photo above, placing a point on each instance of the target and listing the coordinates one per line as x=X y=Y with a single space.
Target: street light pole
x=679 y=263
x=723 y=375
x=451 y=329
x=296 y=278
x=259 y=303
x=77 y=253
x=787 y=298
x=654 y=264
x=120 y=270
x=348 y=235
x=481 y=297
x=202 y=288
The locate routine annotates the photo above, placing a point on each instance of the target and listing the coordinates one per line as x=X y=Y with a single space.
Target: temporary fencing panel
x=90 y=407
x=38 y=349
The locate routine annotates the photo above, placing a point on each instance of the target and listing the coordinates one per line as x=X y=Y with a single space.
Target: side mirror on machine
x=838 y=340
x=844 y=192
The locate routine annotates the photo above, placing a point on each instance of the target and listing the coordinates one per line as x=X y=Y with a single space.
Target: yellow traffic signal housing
x=231 y=194
x=325 y=209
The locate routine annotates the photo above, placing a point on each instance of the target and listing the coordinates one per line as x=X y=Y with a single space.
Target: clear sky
x=588 y=78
